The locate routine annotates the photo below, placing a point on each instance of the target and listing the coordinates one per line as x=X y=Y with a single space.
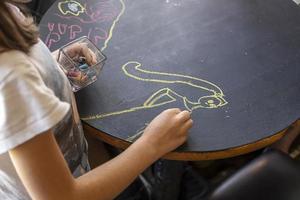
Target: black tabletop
x=235 y=64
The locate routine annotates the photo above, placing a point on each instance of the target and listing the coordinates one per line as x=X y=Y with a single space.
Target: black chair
x=272 y=176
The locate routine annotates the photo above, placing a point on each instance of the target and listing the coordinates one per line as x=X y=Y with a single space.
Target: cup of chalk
x=81 y=61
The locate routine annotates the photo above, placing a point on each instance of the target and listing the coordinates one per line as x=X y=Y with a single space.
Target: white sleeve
x=27 y=107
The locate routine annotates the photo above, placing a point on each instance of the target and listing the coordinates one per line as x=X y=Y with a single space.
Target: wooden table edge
x=189 y=156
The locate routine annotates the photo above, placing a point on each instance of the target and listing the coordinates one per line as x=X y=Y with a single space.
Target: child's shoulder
x=15 y=64
x=13 y=58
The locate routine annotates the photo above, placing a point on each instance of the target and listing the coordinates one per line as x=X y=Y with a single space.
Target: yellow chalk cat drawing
x=132 y=69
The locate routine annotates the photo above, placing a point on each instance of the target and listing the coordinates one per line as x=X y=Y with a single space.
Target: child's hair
x=16 y=34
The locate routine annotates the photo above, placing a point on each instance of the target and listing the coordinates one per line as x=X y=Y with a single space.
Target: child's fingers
x=89 y=55
x=74 y=50
x=184 y=116
x=182 y=139
x=173 y=110
x=187 y=125
x=82 y=50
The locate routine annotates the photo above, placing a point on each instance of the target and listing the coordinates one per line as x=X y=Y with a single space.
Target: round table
x=232 y=63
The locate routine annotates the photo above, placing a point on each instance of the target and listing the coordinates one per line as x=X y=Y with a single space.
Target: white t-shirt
x=35 y=96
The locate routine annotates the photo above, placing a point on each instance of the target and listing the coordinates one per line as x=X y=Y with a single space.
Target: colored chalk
x=84 y=78
x=83 y=67
x=91 y=73
x=76 y=78
x=73 y=73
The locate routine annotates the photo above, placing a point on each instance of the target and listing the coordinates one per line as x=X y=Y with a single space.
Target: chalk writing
x=56 y=31
x=74 y=30
x=96 y=21
x=52 y=36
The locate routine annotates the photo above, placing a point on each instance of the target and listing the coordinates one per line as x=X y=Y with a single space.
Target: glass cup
x=81 y=61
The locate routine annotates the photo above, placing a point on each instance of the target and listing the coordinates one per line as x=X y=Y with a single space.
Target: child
x=42 y=147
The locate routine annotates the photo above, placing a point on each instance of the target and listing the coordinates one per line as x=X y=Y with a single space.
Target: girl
x=42 y=147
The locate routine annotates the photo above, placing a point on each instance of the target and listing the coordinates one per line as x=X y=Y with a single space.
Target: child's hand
x=167 y=131
x=77 y=50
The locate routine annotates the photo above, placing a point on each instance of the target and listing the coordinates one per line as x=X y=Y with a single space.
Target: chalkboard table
x=234 y=63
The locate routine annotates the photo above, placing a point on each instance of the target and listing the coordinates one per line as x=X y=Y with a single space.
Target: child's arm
x=45 y=174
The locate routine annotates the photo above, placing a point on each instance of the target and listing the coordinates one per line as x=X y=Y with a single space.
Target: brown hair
x=16 y=34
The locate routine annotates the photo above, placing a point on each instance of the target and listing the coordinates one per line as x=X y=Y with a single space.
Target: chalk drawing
x=163 y=96
x=71 y=7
